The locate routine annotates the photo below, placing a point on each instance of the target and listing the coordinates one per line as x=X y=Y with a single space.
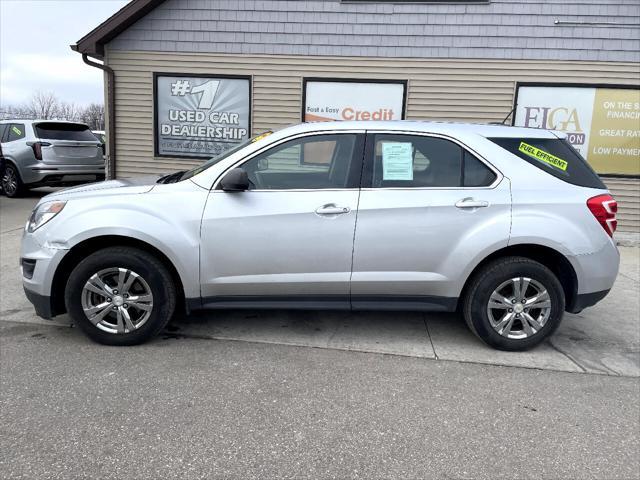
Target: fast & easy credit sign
x=344 y=99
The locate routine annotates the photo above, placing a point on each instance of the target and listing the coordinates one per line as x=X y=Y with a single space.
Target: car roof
x=445 y=128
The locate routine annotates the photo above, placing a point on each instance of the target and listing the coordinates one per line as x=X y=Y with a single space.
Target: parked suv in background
x=40 y=153
x=509 y=226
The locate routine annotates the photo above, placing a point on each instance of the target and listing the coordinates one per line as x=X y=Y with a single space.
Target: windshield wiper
x=172 y=177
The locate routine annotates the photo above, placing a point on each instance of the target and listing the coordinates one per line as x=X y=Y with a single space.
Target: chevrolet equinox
x=508 y=226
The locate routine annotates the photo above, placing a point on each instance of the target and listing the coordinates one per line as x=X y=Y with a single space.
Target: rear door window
x=421 y=161
x=64 y=131
x=15 y=132
x=555 y=156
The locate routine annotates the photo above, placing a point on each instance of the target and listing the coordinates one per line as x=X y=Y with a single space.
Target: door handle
x=332 y=209
x=471 y=203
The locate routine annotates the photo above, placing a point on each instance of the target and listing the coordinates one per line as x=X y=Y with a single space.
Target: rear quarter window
x=15 y=132
x=555 y=156
x=64 y=131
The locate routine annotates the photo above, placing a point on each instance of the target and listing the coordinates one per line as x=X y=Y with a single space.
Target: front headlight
x=43 y=213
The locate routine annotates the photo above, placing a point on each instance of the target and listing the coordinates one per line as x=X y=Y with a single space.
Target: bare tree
x=15 y=112
x=69 y=111
x=44 y=105
x=93 y=115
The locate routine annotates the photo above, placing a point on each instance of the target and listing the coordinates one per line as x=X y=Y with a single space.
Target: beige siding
x=454 y=90
x=627 y=192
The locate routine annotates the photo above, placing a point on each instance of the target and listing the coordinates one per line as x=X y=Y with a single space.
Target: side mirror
x=236 y=180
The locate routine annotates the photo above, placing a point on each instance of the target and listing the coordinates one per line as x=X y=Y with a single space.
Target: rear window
x=555 y=156
x=64 y=131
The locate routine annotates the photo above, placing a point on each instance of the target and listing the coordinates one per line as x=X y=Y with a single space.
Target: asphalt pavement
x=316 y=394
x=187 y=408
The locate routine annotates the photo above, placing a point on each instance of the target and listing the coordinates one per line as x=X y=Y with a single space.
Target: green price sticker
x=16 y=130
x=543 y=156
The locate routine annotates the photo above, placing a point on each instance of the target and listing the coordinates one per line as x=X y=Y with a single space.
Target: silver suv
x=41 y=153
x=509 y=226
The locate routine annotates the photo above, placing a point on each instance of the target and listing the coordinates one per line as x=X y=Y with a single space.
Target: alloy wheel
x=117 y=300
x=10 y=180
x=519 y=308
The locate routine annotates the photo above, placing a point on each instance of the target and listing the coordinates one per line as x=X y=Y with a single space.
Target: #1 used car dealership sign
x=200 y=116
x=602 y=123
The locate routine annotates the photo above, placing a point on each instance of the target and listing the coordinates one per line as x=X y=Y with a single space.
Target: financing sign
x=328 y=100
x=200 y=116
x=603 y=124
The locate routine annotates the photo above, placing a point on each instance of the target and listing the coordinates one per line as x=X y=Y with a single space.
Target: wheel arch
x=547 y=256
x=91 y=245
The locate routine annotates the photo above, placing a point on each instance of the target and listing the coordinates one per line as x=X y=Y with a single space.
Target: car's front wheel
x=514 y=303
x=120 y=296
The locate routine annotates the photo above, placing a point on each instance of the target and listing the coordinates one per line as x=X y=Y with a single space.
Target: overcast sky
x=34 y=48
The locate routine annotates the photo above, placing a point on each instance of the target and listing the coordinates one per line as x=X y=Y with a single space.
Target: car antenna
x=508 y=115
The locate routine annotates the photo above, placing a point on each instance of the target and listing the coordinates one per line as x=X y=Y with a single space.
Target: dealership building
x=188 y=79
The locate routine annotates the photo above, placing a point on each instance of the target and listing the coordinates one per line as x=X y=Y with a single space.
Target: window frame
x=3 y=128
x=367 y=172
x=356 y=160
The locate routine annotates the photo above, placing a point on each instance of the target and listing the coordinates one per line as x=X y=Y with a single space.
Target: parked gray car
x=41 y=153
x=509 y=226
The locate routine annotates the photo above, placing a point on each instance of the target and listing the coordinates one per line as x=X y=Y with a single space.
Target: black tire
x=493 y=275
x=149 y=268
x=12 y=185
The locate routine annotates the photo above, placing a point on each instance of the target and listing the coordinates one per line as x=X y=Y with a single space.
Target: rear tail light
x=604 y=208
x=37 y=149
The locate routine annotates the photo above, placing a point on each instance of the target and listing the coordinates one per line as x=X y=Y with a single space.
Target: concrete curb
x=627 y=239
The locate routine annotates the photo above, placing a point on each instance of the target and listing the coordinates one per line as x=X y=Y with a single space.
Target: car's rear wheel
x=11 y=182
x=120 y=296
x=514 y=303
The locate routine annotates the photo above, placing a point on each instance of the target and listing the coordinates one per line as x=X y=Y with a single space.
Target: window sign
x=200 y=116
x=602 y=123
x=327 y=100
x=397 y=161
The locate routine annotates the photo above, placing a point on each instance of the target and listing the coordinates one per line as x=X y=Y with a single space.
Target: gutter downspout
x=111 y=81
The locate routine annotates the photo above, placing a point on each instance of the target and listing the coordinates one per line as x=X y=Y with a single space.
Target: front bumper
x=38 y=288
x=41 y=303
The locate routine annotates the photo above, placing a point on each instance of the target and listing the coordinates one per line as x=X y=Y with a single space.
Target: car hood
x=110 y=187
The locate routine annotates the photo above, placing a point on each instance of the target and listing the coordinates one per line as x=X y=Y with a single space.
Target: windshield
x=214 y=160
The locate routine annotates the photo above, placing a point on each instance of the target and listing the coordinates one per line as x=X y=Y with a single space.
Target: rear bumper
x=61 y=175
x=597 y=272
x=585 y=300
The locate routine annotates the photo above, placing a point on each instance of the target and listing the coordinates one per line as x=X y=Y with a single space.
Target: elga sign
x=328 y=100
x=603 y=124
x=200 y=116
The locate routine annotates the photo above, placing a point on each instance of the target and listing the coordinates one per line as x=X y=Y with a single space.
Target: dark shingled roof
x=93 y=42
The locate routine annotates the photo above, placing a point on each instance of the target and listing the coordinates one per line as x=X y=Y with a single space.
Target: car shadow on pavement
x=443 y=336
